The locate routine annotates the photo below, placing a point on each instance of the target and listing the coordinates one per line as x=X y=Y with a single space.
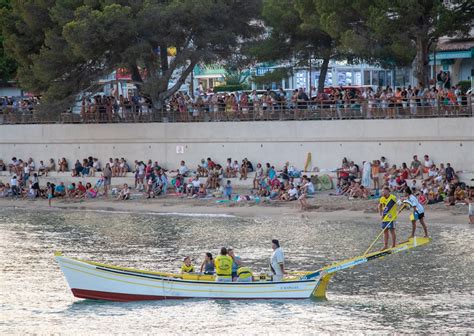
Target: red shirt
x=404 y=174
x=211 y=164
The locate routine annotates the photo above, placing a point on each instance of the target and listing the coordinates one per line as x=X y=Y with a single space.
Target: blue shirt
x=271 y=174
x=60 y=188
x=209 y=268
x=234 y=264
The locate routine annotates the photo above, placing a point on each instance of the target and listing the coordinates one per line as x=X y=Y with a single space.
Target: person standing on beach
x=418 y=212
x=388 y=213
x=277 y=261
x=228 y=190
x=50 y=193
x=107 y=173
x=14 y=186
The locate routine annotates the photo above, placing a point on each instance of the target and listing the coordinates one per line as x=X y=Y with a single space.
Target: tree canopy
x=294 y=34
x=385 y=32
x=64 y=46
x=394 y=32
x=7 y=64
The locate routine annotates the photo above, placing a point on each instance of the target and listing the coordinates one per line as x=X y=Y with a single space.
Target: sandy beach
x=323 y=206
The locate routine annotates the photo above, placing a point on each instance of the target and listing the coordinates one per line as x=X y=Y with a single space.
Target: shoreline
x=323 y=206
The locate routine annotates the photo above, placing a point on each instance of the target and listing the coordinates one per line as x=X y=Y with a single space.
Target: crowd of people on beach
x=431 y=183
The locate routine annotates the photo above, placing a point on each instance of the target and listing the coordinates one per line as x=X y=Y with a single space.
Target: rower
x=223 y=265
x=277 y=261
x=187 y=267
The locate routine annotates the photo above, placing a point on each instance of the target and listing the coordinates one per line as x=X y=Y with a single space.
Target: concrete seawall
x=444 y=139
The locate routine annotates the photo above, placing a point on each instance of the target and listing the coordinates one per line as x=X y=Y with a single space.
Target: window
x=375 y=77
x=366 y=77
x=357 y=80
x=349 y=78
x=382 y=81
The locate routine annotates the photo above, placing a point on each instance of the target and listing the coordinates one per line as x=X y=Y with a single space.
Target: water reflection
x=427 y=290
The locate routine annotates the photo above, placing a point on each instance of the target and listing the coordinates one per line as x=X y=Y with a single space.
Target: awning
x=443 y=55
x=216 y=76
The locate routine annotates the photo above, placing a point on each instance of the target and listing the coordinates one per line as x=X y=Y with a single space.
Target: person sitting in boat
x=277 y=261
x=236 y=263
x=244 y=274
x=187 y=266
x=223 y=264
x=388 y=213
x=208 y=264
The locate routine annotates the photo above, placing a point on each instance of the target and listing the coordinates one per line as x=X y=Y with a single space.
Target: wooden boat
x=92 y=280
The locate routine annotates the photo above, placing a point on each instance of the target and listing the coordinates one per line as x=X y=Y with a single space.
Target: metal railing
x=222 y=112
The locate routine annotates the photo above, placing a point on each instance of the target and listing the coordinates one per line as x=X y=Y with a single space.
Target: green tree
x=394 y=32
x=294 y=35
x=7 y=64
x=64 y=46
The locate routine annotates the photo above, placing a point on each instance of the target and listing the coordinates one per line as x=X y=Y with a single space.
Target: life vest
x=187 y=269
x=223 y=265
x=244 y=272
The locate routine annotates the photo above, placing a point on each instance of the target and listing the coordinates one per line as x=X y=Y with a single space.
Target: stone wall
x=444 y=139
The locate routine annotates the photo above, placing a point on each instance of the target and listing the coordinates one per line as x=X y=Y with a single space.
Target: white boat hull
x=91 y=280
x=95 y=282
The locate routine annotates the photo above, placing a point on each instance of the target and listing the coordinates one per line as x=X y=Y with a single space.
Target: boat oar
x=381 y=232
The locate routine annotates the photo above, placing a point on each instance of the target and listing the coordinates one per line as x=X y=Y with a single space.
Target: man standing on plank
x=388 y=213
x=418 y=212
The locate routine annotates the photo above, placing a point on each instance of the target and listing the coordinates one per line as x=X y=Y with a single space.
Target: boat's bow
x=325 y=274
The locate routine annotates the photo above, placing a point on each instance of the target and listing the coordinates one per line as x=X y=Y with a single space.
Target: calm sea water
x=430 y=290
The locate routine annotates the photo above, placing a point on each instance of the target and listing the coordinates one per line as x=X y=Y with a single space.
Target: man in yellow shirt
x=388 y=214
x=223 y=263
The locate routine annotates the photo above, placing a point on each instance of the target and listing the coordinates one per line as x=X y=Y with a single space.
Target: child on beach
x=219 y=191
x=375 y=174
x=202 y=191
x=124 y=193
x=228 y=190
x=50 y=194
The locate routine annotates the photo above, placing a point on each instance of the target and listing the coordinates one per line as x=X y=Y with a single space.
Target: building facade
x=456 y=56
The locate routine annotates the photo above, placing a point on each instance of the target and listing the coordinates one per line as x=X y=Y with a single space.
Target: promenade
x=226 y=108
